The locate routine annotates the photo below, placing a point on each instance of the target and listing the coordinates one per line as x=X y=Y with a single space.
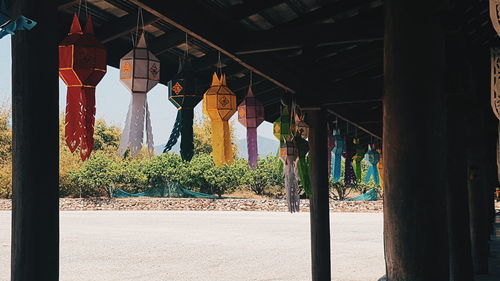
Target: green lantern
x=284 y=126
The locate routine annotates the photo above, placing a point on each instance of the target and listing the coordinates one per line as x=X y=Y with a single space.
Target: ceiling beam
x=209 y=30
x=330 y=10
x=316 y=35
x=122 y=26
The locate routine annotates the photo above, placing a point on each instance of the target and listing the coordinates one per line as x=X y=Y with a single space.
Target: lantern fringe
x=183 y=127
x=380 y=167
x=222 y=151
x=73 y=118
x=291 y=186
x=304 y=174
x=133 y=133
x=88 y=97
x=252 y=148
x=349 y=177
x=336 y=166
x=373 y=158
x=187 y=145
x=176 y=132
x=80 y=119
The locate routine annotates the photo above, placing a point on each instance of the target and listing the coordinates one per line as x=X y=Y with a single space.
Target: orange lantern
x=219 y=103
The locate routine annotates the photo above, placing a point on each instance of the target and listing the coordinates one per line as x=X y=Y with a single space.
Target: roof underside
x=318 y=52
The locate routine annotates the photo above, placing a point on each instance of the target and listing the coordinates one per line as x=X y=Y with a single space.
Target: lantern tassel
x=187 y=146
x=88 y=118
x=291 y=186
x=337 y=162
x=252 y=148
x=380 y=167
x=349 y=177
x=176 y=132
x=305 y=177
x=132 y=135
x=73 y=118
x=149 y=130
x=228 y=148
x=217 y=145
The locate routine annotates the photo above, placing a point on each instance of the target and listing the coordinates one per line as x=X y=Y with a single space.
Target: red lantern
x=82 y=64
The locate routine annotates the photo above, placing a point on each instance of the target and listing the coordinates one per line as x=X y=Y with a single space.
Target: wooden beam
x=324 y=34
x=122 y=26
x=35 y=126
x=329 y=11
x=180 y=14
x=355 y=124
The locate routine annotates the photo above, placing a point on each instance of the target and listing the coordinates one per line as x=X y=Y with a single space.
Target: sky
x=112 y=100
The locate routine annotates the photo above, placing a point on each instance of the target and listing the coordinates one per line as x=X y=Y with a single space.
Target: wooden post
x=319 y=201
x=414 y=143
x=457 y=195
x=35 y=120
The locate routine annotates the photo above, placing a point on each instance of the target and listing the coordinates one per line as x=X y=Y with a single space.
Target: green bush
x=96 y=177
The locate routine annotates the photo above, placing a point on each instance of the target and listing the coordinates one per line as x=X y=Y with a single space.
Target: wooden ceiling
x=318 y=52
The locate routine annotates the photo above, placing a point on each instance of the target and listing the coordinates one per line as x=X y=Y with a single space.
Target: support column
x=35 y=121
x=414 y=143
x=319 y=201
x=457 y=194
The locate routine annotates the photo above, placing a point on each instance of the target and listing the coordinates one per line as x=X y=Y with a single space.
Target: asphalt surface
x=207 y=246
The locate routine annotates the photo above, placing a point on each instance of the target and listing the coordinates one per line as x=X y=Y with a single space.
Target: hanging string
x=251 y=78
x=219 y=64
x=86 y=9
x=186 y=53
x=140 y=19
x=79 y=7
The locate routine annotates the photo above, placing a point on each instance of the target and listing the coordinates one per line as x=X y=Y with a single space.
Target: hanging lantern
x=288 y=154
x=284 y=125
x=373 y=158
x=380 y=168
x=82 y=65
x=219 y=103
x=303 y=164
x=358 y=157
x=495 y=15
x=251 y=115
x=337 y=155
x=330 y=147
x=301 y=126
x=9 y=25
x=139 y=72
x=182 y=93
x=349 y=176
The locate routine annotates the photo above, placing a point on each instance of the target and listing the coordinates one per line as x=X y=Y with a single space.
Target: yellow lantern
x=219 y=103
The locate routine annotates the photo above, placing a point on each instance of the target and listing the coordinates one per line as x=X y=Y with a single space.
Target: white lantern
x=139 y=72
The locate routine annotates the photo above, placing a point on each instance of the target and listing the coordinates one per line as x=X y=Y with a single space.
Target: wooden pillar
x=414 y=143
x=35 y=120
x=457 y=198
x=319 y=201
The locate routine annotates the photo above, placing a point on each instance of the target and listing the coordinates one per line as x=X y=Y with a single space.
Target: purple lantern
x=251 y=115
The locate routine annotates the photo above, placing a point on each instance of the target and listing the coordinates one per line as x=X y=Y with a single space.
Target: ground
x=207 y=246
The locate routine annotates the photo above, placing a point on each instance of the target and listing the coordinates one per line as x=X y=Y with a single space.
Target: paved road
x=206 y=246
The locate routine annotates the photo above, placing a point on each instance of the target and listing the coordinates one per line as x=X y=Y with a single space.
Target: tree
x=97 y=176
x=267 y=174
x=209 y=179
x=5 y=152
x=202 y=136
x=106 y=137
